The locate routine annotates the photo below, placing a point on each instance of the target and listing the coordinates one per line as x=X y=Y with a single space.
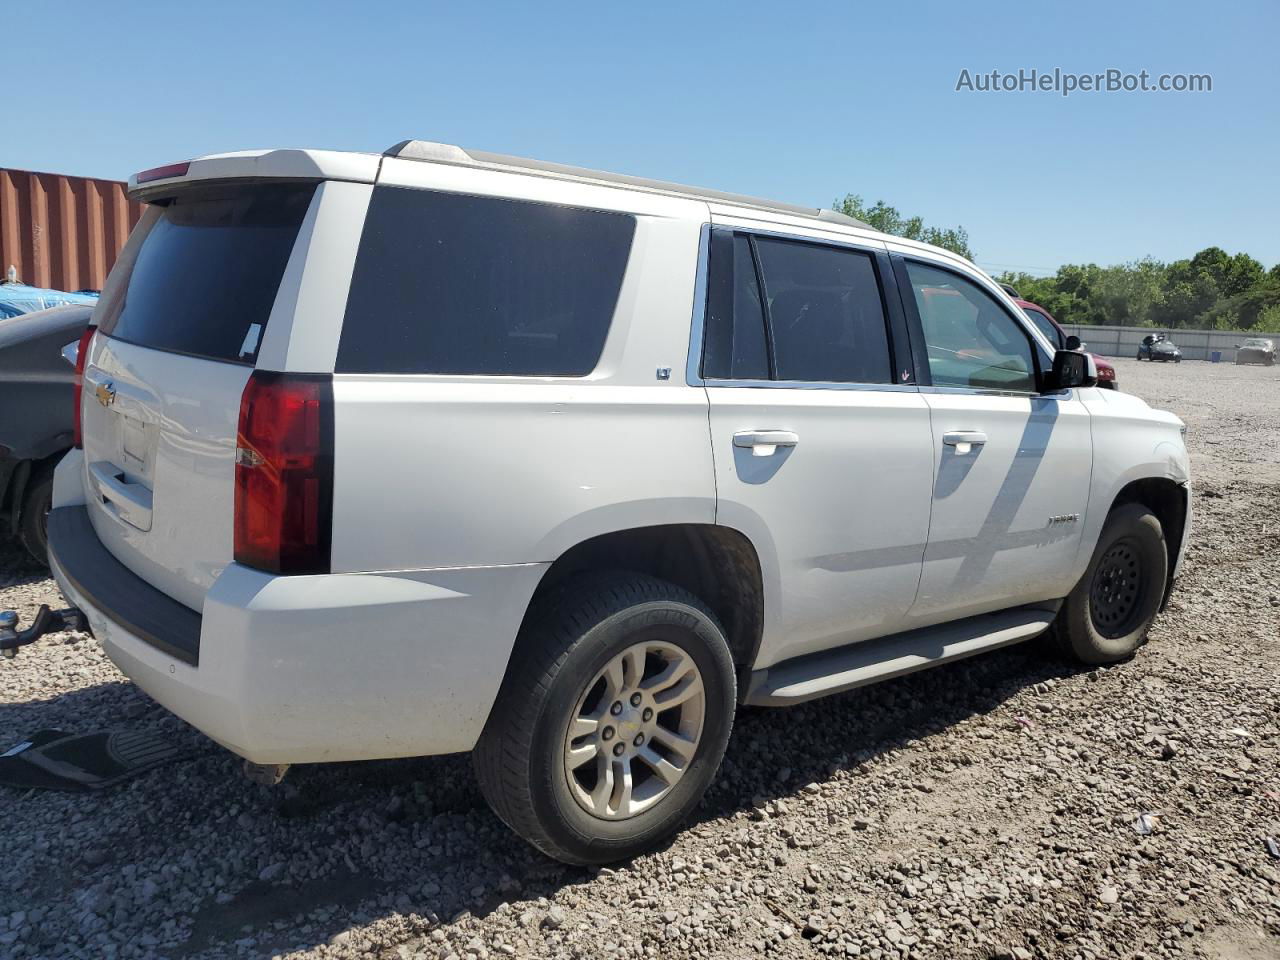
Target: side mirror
x=1071 y=369
x=1073 y=343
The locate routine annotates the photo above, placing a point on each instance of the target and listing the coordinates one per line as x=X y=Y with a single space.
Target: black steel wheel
x=1116 y=592
x=1108 y=614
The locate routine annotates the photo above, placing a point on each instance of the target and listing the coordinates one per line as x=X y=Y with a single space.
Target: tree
x=887 y=219
x=1231 y=275
x=1213 y=289
x=1256 y=308
x=1190 y=289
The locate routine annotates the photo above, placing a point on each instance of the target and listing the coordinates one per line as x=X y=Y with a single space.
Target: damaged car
x=1256 y=350
x=37 y=388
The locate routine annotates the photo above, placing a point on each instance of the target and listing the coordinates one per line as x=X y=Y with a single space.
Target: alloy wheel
x=635 y=730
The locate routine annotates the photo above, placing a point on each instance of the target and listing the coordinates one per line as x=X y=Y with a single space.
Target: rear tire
x=1107 y=616
x=33 y=528
x=575 y=664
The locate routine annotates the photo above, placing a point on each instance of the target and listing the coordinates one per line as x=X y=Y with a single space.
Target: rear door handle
x=765 y=443
x=964 y=440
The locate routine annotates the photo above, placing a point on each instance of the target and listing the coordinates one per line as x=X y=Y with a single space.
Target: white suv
x=440 y=450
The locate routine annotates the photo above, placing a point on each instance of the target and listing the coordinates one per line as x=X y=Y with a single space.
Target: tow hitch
x=46 y=621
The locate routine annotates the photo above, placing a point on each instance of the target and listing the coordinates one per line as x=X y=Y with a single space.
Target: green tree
x=1190 y=289
x=887 y=219
x=1213 y=289
x=1232 y=275
x=1257 y=308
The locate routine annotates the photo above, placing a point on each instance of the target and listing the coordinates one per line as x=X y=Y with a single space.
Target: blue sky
x=796 y=101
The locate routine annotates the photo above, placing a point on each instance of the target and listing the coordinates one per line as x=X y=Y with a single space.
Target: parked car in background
x=452 y=451
x=18 y=298
x=1156 y=346
x=1058 y=337
x=1256 y=350
x=37 y=386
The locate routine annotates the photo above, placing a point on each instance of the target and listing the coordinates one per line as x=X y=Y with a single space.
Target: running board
x=831 y=671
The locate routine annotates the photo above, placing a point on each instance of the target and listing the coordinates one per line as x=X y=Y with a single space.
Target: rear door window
x=207 y=272
x=454 y=284
x=736 y=347
x=825 y=313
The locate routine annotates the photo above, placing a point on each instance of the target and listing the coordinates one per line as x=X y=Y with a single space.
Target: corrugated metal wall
x=62 y=232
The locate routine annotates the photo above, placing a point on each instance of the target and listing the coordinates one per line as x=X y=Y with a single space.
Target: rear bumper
x=313 y=668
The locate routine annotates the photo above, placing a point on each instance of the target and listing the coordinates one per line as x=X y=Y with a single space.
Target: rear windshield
x=207 y=273
x=454 y=284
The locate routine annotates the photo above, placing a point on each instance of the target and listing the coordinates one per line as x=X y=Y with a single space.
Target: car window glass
x=447 y=283
x=1045 y=326
x=207 y=273
x=825 y=313
x=735 y=346
x=971 y=340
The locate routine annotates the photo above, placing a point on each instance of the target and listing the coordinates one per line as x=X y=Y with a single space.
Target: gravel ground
x=984 y=809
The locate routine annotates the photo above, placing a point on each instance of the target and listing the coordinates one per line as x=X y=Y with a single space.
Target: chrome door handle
x=964 y=440
x=765 y=443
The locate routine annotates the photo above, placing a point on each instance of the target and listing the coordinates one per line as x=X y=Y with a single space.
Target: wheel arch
x=1170 y=501
x=717 y=564
x=26 y=473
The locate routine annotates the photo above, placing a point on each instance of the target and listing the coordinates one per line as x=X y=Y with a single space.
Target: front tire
x=612 y=718
x=1107 y=616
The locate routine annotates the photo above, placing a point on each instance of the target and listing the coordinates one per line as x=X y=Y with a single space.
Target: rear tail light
x=284 y=473
x=82 y=357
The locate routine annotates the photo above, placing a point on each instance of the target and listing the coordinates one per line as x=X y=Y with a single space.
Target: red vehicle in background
x=1058 y=337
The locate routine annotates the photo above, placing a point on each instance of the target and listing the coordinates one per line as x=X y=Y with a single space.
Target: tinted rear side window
x=453 y=284
x=207 y=273
x=825 y=312
x=735 y=345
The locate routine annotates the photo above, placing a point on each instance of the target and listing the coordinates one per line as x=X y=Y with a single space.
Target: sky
x=801 y=102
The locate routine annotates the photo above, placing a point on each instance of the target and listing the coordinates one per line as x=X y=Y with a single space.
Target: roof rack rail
x=449 y=153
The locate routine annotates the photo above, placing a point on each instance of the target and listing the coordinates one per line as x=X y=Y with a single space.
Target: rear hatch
x=179 y=334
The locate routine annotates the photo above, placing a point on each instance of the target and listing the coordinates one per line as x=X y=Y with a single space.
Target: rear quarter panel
x=456 y=474
x=443 y=471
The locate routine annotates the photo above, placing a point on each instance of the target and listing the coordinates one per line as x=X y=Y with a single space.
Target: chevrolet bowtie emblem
x=106 y=393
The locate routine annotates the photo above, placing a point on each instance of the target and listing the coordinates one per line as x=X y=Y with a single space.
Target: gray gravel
x=1009 y=806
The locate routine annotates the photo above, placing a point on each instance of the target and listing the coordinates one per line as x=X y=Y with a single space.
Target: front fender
x=1131 y=442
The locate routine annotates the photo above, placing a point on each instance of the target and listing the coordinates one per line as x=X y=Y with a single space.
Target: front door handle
x=964 y=440
x=765 y=443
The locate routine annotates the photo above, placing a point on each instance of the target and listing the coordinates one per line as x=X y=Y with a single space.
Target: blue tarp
x=16 y=298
